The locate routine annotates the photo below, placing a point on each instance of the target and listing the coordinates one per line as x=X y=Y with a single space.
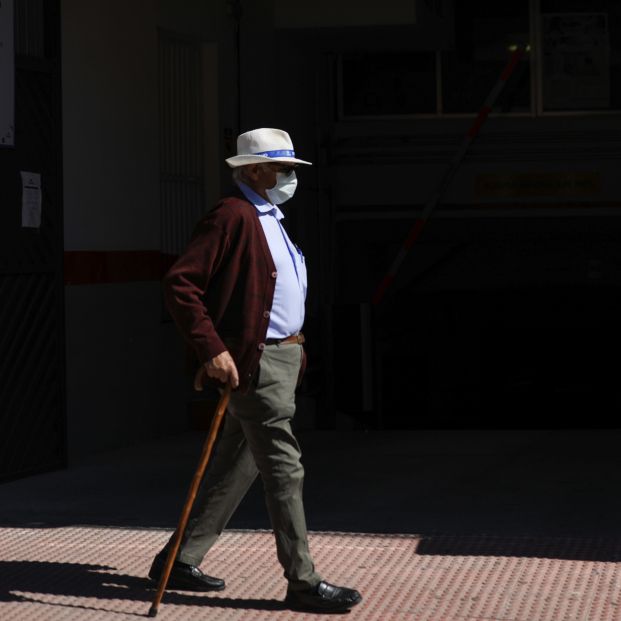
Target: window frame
x=536 y=88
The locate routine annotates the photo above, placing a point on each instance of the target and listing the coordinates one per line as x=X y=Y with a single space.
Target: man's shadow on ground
x=35 y=578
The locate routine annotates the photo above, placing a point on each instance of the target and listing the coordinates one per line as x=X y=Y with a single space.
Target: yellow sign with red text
x=548 y=184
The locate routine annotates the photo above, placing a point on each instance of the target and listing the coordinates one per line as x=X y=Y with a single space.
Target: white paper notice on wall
x=576 y=61
x=7 y=75
x=31 y=199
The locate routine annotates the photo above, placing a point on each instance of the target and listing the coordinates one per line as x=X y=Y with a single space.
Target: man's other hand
x=222 y=368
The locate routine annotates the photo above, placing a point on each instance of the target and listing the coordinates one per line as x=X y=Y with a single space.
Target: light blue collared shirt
x=287 y=312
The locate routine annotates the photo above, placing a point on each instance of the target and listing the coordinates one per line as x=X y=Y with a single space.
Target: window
x=580 y=55
x=389 y=83
x=485 y=34
x=575 y=65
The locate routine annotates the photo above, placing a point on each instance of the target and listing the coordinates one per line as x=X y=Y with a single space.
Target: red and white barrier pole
x=419 y=223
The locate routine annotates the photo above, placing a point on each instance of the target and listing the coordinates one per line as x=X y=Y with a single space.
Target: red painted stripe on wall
x=92 y=267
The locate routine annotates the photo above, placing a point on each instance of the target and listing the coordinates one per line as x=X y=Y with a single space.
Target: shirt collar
x=261 y=205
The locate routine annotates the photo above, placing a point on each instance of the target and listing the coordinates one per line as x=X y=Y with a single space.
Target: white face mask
x=284 y=188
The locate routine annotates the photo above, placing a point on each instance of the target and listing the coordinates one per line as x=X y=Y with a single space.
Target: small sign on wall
x=7 y=75
x=576 y=61
x=31 y=200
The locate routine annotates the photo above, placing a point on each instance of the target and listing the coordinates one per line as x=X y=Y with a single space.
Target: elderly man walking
x=237 y=295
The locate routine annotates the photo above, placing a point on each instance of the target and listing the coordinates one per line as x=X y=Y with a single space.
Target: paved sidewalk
x=98 y=574
x=429 y=526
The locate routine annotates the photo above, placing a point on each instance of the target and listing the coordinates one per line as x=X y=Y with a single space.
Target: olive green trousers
x=257 y=438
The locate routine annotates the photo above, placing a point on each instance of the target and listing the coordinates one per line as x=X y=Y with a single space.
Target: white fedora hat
x=264 y=145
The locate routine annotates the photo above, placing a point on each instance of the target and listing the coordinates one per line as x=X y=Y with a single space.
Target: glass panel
x=486 y=32
x=388 y=83
x=581 y=54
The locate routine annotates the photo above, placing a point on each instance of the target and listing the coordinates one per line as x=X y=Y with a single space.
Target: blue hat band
x=280 y=153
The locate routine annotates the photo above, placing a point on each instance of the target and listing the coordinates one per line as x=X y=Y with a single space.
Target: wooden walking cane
x=196 y=481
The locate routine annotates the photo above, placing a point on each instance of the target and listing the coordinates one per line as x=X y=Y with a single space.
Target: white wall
x=110 y=125
x=125 y=364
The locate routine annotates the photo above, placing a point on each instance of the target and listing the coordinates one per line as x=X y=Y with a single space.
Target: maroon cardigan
x=221 y=289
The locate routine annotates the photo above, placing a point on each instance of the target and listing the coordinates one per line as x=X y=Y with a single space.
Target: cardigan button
x=274 y=274
x=266 y=314
x=261 y=346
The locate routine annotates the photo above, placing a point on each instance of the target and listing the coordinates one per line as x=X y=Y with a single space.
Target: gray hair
x=239 y=173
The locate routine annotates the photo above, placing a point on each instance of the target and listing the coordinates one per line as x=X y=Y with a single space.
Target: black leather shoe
x=184 y=577
x=325 y=597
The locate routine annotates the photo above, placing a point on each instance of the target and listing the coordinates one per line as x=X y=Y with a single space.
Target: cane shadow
x=22 y=581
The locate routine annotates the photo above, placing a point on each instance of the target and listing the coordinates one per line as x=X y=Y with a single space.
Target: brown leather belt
x=294 y=338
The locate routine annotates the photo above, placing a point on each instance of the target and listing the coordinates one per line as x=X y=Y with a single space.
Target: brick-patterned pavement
x=98 y=574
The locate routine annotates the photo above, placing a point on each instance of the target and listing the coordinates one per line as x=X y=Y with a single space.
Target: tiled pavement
x=433 y=526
